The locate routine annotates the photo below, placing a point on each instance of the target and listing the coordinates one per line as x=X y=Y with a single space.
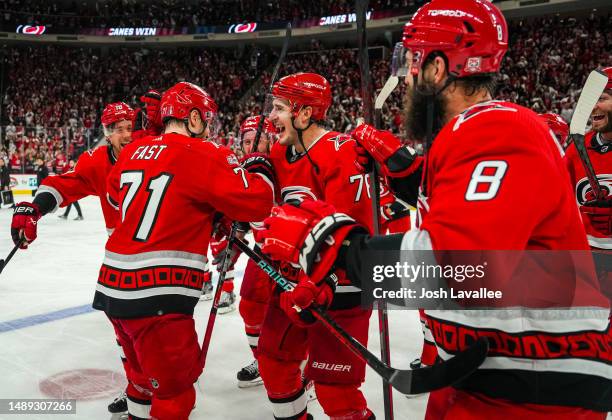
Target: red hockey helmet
x=117 y=111
x=472 y=34
x=251 y=124
x=557 y=125
x=178 y=101
x=608 y=71
x=305 y=89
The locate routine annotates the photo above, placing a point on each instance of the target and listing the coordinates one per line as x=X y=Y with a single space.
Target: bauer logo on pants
x=331 y=366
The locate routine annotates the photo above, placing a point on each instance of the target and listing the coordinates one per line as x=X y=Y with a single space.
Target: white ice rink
x=47 y=328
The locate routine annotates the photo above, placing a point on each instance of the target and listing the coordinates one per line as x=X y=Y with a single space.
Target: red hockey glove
x=599 y=214
x=25 y=219
x=396 y=160
x=152 y=99
x=296 y=302
x=309 y=234
x=259 y=163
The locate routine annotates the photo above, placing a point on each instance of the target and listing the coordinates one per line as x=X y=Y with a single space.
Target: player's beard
x=608 y=127
x=415 y=111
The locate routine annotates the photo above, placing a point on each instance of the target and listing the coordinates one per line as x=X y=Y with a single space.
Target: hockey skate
x=227 y=303
x=119 y=404
x=249 y=376
x=207 y=291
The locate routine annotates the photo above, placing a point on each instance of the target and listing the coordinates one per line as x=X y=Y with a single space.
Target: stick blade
x=440 y=375
x=1 y=265
x=389 y=86
x=592 y=90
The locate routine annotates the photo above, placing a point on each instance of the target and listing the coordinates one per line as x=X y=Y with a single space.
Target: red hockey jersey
x=167 y=189
x=495 y=180
x=337 y=182
x=87 y=178
x=600 y=154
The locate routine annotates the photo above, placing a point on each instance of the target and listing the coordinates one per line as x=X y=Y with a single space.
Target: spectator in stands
x=69 y=167
x=41 y=172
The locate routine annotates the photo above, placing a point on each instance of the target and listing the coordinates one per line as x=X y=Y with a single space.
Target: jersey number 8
x=486 y=180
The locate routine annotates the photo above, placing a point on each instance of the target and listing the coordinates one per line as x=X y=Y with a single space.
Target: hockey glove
x=309 y=234
x=259 y=163
x=296 y=303
x=152 y=99
x=396 y=160
x=599 y=214
x=25 y=219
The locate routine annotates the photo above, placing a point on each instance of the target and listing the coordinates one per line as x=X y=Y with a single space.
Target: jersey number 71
x=156 y=190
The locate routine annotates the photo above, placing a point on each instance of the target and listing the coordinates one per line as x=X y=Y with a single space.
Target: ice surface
x=59 y=271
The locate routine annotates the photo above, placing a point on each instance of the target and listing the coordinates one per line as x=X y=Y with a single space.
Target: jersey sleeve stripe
x=56 y=194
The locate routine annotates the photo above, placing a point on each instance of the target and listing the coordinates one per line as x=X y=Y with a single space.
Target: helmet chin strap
x=192 y=133
x=300 y=132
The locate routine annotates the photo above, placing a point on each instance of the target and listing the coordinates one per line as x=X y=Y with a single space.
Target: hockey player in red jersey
x=478 y=180
x=218 y=242
x=153 y=269
x=256 y=287
x=596 y=211
x=88 y=178
x=311 y=162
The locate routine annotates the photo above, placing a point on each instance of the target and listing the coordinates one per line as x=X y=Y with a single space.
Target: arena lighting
x=240 y=28
x=31 y=30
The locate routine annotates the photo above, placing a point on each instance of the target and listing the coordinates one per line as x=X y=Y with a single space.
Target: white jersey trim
x=155 y=258
x=601 y=243
x=146 y=293
x=269 y=182
x=573 y=365
x=55 y=193
x=417 y=240
x=529 y=320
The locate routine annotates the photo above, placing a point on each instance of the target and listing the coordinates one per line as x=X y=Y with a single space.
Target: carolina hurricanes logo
x=296 y=193
x=480 y=109
x=583 y=186
x=339 y=140
x=242 y=28
x=31 y=30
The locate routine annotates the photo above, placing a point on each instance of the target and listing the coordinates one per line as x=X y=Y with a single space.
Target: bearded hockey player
x=153 y=269
x=89 y=178
x=313 y=163
x=474 y=197
x=596 y=211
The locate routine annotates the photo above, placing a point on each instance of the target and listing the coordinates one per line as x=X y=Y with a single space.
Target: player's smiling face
x=280 y=116
x=601 y=116
x=121 y=135
x=247 y=142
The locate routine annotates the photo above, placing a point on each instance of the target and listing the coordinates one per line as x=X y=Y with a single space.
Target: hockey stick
x=281 y=58
x=592 y=90
x=366 y=93
x=4 y=262
x=408 y=381
x=227 y=258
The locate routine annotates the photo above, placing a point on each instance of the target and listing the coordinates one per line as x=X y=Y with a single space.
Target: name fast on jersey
x=148 y=152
